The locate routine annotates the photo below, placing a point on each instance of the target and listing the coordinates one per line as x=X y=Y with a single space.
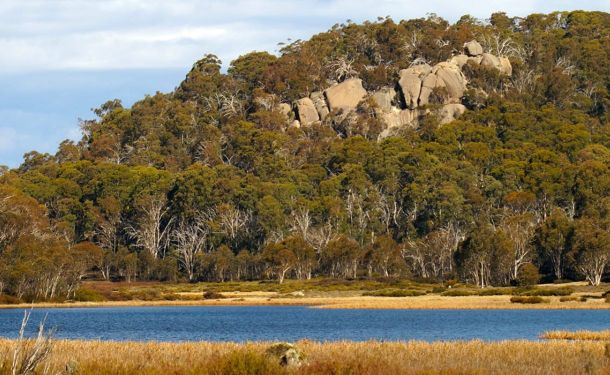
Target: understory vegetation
x=472 y=357
x=207 y=183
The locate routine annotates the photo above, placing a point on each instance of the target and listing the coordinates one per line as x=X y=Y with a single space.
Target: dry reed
x=577 y=335
x=373 y=357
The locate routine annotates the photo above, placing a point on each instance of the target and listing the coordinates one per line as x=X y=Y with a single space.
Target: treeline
x=210 y=182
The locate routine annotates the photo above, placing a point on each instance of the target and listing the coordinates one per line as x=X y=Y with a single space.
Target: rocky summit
x=421 y=90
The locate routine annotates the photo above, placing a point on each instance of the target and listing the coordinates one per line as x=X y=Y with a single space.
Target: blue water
x=217 y=323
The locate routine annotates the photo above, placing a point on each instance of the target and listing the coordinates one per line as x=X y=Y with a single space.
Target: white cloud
x=38 y=35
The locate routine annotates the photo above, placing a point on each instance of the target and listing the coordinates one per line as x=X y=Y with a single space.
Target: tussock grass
x=394 y=293
x=528 y=299
x=373 y=357
x=544 y=292
x=577 y=335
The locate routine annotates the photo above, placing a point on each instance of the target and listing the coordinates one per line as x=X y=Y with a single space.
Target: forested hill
x=477 y=151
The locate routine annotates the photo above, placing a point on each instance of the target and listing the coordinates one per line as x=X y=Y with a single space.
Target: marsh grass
x=372 y=357
x=26 y=355
x=577 y=335
x=395 y=293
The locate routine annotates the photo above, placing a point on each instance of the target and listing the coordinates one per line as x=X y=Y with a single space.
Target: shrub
x=528 y=275
x=451 y=283
x=528 y=299
x=459 y=293
x=438 y=289
x=9 y=300
x=494 y=292
x=210 y=294
x=147 y=294
x=394 y=293
x=171 y=296
x=88 y=295
x=569 y=299
x=544 y=292
x=592 y=296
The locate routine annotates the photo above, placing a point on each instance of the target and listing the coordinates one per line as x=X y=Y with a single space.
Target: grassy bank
x=344 y=294
x=345 y=302
x=472 y=357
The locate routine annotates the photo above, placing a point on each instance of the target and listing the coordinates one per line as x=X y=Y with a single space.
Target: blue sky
x=61 y=58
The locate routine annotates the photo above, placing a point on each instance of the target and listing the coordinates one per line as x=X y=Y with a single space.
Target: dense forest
x=215 y=182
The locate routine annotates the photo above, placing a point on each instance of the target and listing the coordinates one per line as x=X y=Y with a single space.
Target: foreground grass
x=471 y=357
x=577 y=335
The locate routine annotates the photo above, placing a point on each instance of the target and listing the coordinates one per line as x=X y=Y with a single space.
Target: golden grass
x=577 y=335
x=470 y=357
x=430 y=301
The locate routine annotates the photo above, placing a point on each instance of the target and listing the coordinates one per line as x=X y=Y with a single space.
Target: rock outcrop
x=285 y=109
x=307 y=112
x=411 y=83
x=502 y=64
x=415 y=88
x=319 y=102
x=473 y=48
x=383 y=98
x=346 y=95
x=402 y=117
x=450 y=112
x=444 y=75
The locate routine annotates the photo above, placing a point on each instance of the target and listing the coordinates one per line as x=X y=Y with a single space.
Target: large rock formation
x=383 y=98
x=402 y=117
x=346 y=95
x=505 y=66
x=320 y=103
x=460 y=60
x=416 y=85
x=447 y=76
x=307 y=112
x=285 y=109
x=411 y=83
x=473 y=48
x=450 y=112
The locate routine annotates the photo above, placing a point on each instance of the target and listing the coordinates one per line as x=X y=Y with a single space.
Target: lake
x=290 y=323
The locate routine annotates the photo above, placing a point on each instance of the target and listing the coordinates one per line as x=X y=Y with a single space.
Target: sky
x=61 y=58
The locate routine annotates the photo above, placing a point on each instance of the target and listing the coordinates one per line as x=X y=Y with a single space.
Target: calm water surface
x=218 y=323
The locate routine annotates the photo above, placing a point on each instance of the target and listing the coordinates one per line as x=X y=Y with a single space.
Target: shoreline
x=431 y=302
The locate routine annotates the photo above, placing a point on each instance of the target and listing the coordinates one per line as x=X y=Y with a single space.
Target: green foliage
x=458 y=293
x=528 y=275
x=88 y=295
x=565 y=291
x=520 y=179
